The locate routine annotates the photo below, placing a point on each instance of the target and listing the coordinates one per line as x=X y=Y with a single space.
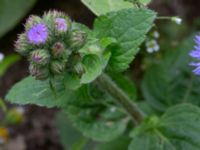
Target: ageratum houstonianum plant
x=79 y=70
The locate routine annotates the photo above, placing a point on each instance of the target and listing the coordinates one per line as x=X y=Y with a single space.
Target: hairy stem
x=121 y=97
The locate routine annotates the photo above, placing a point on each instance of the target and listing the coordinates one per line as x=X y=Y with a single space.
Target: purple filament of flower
x=38 y=34
x=61 y=24
x=195 y=53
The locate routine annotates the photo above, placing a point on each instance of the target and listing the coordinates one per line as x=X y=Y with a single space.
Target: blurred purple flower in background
x=61 y=24
x=38 y=34
x=196 y=54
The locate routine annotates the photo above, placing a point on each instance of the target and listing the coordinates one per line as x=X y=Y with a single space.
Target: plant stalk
x=121 y=97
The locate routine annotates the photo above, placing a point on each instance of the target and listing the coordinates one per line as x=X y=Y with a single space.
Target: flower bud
x=40 y=57
x=58 y=67
x=58 y=20
x=21 y=45
x=38 y=72
x=78 y=39
x=31 y=21
x=79 y=69
x=58 y=50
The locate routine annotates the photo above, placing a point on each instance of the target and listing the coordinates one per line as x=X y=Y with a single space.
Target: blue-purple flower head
x=195 y=53
x=61 y=24
x=38 y=34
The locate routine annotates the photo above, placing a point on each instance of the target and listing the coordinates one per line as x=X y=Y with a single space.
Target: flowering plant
x=80 y=70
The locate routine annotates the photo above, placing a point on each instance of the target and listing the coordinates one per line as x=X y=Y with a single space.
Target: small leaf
x=31 y=91
x=99 y=7
x=7 y=62
x=93 y=68
x=178 y=129
x=129 y=27
x=15 y=11
x=72 y=81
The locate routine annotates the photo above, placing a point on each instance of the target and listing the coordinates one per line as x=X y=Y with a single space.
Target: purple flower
x=61 y=24
x=38 y=34
x=196 y=54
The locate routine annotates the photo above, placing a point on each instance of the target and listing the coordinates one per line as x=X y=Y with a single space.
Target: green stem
x=121 y=97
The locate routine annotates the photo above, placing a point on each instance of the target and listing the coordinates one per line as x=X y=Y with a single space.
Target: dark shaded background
x=38 y=127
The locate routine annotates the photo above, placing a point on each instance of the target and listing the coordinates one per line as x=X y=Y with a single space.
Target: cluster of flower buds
x=152 y=42
x=49 y=43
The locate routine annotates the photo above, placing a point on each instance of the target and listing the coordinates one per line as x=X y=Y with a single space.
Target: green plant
x=87 y=84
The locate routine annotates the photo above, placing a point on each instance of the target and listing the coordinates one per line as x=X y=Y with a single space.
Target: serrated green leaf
x=178 y=129
x=93 y=68
x=31 y=91
x=99 y=7
x=69 y=136
x=11 y=12
x=120 y=143
x=128 y=27
x=95 y=115
x=170 y=80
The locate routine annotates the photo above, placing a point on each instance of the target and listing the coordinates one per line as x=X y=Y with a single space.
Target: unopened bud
x=78 y=39
x=58 y=67
x=31 y=21
x=58 y=49
x=38 y=72
x=21 y=45
x=40 y=57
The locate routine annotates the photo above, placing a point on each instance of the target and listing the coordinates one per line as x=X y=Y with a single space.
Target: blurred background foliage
x=38 y=128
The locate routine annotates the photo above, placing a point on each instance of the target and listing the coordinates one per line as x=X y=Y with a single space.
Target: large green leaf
x=178 y=129
x=128 y=27
x=69 y=136
x=31 y=91
x=120 y=143
x=94 y=114
x=170 y=80
x=11 y=12
x=99 y=7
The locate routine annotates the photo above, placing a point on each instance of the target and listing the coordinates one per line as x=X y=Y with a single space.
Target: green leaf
x=178 y=129
x=94 y=114
x=31 y=91
x=93 y=68
x=170 y=80
x=129 y=27
x=145 y=2
x=11 y=12
x=69 y=136
x=72 y=81
x=99 y=7
x=120 y=143
x=7 y=62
